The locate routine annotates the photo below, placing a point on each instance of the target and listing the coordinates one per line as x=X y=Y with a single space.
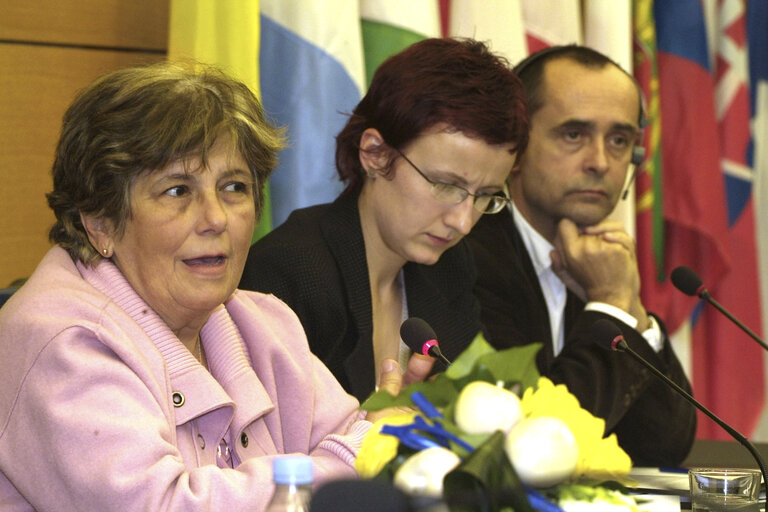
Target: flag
x=757 y=37
x=312 y=76
x=649 y=191
x=391 y=26
x=497 y=22
x=674 y=307
x=703 y=224
x=226 y=35
x=552 y=22
x=692 y=197
x=608 y=29
x=445 y=17
x=727 y=363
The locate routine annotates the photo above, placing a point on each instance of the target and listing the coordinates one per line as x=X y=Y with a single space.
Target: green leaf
x=479 y=361
x=517 y=364
x=485 y=481
x=463 y=365
x=441 y=391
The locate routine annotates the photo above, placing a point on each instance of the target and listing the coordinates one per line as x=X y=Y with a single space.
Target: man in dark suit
x=551 y=264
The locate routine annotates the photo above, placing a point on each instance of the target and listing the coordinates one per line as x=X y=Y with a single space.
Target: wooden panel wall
x=49 y=49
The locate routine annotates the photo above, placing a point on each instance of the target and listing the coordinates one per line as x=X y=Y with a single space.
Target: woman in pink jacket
x=134 y=375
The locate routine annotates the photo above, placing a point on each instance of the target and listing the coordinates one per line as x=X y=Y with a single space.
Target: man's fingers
x=567 y=230
x=604 y=227
x=418 y=369
x=390 y=379
x=621 y=238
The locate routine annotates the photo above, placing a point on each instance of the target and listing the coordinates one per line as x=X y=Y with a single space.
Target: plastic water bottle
x=293 y=484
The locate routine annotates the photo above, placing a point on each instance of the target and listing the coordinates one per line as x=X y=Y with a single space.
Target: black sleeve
x=300 y=274
x=653 y=423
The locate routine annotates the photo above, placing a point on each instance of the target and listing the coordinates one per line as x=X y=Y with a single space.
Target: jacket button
x=178 y=398
x=244 y=440
x=223 y=454
x=201 y=441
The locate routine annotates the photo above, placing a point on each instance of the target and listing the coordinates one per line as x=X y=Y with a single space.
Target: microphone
x=629 y=185
x=376 y=495
x=359 y=496
x=421 y=338
x=608 y=336
x=688 y=282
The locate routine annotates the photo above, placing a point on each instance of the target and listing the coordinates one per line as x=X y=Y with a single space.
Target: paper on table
x=660 y=490
x=659 y=481
x=657 y=503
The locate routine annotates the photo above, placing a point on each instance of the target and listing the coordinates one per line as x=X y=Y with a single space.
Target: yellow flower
x=598 y=457
x=378 y=449
x=606 y=461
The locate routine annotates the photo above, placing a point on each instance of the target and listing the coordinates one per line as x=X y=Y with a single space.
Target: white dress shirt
x=555 y=292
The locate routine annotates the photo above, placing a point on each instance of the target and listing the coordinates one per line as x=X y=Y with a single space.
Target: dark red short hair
x=459 y=82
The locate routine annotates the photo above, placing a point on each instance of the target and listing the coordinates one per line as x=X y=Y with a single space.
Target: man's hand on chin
x=599 y=264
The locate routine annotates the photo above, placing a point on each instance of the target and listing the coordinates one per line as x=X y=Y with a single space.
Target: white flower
x=422 y=474
x=483 y=408
x=542 y=450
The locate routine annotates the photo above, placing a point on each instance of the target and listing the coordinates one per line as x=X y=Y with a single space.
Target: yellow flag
x=224 y=34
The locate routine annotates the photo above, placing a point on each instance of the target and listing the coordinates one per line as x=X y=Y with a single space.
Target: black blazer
x=315 y=262
x=654 y=425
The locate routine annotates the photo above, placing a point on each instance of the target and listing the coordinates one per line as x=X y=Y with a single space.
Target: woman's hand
x=392 y=380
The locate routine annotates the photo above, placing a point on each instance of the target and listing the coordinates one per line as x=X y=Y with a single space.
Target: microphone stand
x=688 y=281
x=622 y=346
x=704 y=294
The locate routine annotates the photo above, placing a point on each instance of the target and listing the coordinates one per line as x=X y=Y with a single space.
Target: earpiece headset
x=638 y=151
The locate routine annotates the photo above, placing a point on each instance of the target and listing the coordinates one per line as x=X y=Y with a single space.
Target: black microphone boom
x=376 y=495
x=688 y=282
x=629 y=185
x=421 y=338
x=609 y=336
x=359 y=496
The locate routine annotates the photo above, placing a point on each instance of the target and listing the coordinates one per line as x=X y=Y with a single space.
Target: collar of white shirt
x=552 y=287
x=555 y=292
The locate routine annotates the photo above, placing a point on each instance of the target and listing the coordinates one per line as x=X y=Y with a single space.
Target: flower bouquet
x=491 y=434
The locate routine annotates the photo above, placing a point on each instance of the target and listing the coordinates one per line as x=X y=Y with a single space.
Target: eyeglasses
x=448 y=193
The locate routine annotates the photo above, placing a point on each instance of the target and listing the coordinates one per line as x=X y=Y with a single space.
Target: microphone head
x=418 y=335
x=608 y=335
x=686 y=280
x=359 y=496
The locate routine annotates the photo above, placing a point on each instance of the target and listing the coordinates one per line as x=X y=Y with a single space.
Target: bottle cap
x=293 y=469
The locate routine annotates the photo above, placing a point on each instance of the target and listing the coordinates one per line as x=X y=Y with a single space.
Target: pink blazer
x=102 y=407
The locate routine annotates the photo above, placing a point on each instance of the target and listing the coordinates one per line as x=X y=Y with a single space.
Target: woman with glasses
x=425 y=153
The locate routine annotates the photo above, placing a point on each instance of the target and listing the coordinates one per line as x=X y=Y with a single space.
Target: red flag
x=543 y=30
x=680 y=198
x=707 y=225
x=727 y=363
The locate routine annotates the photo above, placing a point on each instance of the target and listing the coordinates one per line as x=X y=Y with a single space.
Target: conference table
x=667 y=488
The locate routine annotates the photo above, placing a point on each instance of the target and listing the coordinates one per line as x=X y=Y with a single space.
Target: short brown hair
x=531 y=72
x=142 y=119
x=459 y=82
